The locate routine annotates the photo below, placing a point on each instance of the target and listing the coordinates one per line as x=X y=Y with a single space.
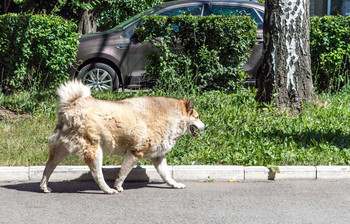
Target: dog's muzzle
x=199 y=126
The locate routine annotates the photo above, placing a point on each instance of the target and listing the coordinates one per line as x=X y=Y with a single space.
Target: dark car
x=115 y=58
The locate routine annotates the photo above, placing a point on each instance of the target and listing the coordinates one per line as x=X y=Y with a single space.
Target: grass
x=239 y=132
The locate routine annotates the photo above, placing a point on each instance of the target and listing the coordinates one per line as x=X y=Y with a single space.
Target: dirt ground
x=11 y=115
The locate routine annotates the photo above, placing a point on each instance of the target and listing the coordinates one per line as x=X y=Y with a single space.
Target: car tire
x=99 y=76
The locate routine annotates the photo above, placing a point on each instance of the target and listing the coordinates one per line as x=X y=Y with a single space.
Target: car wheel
x=99 y=76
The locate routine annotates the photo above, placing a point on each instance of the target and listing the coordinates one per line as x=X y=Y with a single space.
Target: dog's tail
x=72 y=90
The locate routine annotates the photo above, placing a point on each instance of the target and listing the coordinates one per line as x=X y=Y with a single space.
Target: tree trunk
x=5 y=6
x=87 y=22
x=286 y=75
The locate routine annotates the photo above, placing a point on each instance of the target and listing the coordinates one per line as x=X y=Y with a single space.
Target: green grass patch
x=239 y=131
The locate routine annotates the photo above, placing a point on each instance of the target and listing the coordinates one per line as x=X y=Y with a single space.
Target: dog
x=136 y=128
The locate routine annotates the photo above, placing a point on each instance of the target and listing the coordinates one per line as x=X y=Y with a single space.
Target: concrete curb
x=182 y=173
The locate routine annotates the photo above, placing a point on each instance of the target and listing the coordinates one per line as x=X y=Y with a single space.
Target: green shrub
x=198 y=53
x=121 y=11
x=330 y=47
x=35 y=51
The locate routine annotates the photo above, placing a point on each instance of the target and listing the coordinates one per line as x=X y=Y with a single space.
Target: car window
x=261 y=14
x=195 y=10
x=229 y=10
x=131 y=20
x=128 y=34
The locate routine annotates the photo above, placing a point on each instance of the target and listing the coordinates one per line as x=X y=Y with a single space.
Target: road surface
x=296 y=201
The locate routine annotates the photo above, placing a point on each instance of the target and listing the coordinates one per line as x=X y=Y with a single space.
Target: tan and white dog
x=142 y=127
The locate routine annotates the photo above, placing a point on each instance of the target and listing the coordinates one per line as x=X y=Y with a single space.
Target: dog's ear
x=189 y=104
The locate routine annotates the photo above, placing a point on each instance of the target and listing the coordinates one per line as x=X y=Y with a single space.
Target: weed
x=209 y=180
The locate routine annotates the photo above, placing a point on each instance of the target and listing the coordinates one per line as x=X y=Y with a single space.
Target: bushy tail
x=72 y=90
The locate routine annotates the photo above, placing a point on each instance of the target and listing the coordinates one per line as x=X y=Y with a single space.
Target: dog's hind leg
x=94 y=158
x=163 y=170
x=57 y=154
x=129 y=162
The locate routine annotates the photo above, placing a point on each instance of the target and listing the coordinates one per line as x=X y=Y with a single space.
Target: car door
x=136 y=54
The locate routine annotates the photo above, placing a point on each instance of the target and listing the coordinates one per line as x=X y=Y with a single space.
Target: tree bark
x=87 y=18
x=87 y=22
x=286 y=75
x=6 y=5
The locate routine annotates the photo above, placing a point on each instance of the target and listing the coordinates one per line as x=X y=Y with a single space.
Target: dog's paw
x=178 y=186
x=111 y=191
x=46 y=189
x=119 y=188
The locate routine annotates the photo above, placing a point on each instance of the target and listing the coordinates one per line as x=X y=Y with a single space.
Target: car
x=114 y=58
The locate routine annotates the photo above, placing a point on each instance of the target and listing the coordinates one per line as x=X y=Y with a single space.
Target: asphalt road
x=318 y=201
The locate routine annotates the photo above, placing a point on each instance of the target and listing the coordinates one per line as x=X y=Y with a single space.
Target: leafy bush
x=196 y=53
x=121 y=11
x=35 y=51
x=330 y=47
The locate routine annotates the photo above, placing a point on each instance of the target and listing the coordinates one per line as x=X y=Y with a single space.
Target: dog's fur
x=143 y=127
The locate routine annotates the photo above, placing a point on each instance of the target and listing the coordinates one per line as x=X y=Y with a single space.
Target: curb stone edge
x=182 y=173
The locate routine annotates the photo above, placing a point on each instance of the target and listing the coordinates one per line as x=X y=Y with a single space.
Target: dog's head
x=193 y=116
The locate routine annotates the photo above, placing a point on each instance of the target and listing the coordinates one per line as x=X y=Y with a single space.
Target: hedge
x=185 y=47
x=35 y=51
x=194 y=52
x=330 y=49
x=198 y=53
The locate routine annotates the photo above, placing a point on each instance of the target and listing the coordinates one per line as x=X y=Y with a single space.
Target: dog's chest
x=161 y=149
x=168 y=141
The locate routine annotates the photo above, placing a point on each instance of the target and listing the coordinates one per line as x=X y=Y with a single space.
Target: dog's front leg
x=161 y=165
x=129 y=162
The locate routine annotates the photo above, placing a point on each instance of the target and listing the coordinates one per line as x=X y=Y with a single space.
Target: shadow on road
x=83 y=187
